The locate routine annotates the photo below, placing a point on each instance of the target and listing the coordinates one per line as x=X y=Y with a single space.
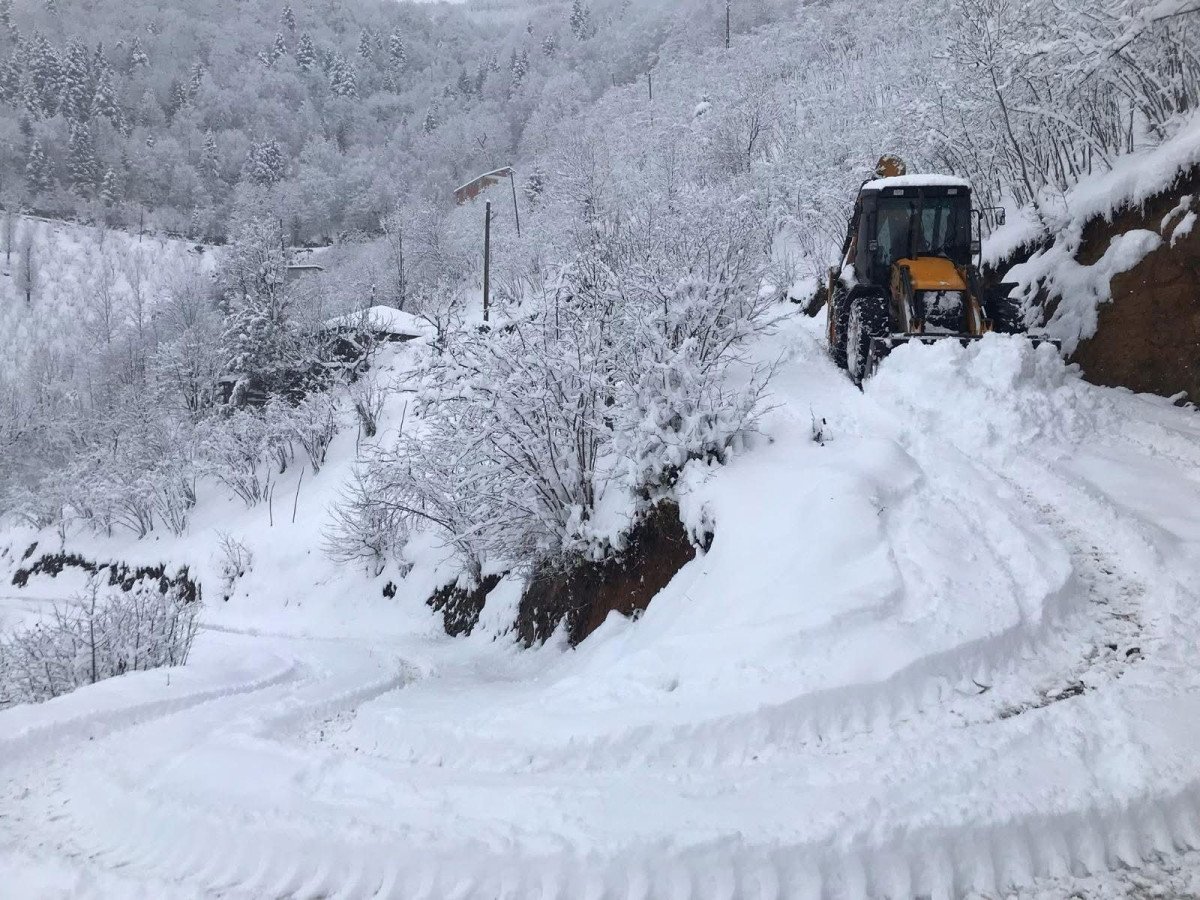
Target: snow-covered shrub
x=232 y=450
x=369 y=394
x=102 y=632
x=235 y=561
x=314 y=422
x=688 y=314
x=367 y=525
x=538 y=440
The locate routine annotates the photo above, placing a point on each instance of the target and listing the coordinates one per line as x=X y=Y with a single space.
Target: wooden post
x=516 y=212
x=726 y=24
x=487 y=254
x=650 y=84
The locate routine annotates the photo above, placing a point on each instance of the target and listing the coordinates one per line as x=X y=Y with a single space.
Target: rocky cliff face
x=1148 y=338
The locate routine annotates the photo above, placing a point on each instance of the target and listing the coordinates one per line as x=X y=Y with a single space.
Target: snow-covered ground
x=948 y=649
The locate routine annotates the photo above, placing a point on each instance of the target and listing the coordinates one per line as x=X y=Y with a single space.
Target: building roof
x=383 y=318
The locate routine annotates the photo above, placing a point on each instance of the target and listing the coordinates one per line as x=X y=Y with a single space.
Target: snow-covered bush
x=538 y=440
x=232 y=450
x=102 y=632
x=235 y=561
x=313 y=422
x=368 y=394
x=368 y=524
x=688 y=313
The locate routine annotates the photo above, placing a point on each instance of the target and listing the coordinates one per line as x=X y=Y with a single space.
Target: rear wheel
x=869 y=318
x=839 y=311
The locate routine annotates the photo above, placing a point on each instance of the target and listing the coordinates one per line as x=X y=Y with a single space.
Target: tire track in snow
x=974 y=682
x=79 y=806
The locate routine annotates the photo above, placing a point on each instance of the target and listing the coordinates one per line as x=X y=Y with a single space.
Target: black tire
x=840 y=307
x=1006 y=314
x=869 y=318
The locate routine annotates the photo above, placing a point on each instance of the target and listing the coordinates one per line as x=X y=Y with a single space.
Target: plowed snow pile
x=950 y=647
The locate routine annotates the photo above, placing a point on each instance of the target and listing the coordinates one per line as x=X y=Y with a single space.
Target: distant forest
x=325 y=111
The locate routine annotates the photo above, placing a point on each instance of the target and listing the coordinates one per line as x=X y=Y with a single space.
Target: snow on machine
x=909 y=270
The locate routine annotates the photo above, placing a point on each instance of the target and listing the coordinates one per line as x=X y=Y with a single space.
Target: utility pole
x=726 y=24
x=512 y=179
x=487 y=254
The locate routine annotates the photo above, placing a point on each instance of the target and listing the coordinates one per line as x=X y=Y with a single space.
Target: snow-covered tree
x=110 y=189
x=81 y=160
x=343 y=81
x=518 y=68
x=137 y=55
x=210 y=157
x=306 y=52
x=581 y=20
x=77 y=84
x=39 y=169
x=397 y=55
x=265 y=162
x=259 y=337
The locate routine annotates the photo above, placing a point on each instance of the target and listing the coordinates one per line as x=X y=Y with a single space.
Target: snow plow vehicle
x=909 y=272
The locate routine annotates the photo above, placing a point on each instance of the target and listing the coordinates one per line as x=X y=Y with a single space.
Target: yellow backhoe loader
x=909 y=270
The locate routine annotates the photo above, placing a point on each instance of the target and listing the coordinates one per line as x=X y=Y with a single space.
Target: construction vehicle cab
x=908 y=270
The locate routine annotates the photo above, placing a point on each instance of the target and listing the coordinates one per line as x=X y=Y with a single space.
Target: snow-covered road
x=950 y=649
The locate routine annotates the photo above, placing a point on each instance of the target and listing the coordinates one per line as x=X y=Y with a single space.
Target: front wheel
x=869 y=319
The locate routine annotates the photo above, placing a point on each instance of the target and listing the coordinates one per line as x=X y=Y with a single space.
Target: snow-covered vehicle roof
x=895 y=181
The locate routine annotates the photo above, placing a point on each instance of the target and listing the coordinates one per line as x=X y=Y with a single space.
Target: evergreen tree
x=265 y=163
x=6 y=13
x=549 y=46
x=364 y=44
x=306 y=53
x=342 y=81
x=196 y=79
x=466 y=86
x=178 y=98
x=77 y=85
x=210 y=157
x=39 y=170
x=273 y=53
x=10 y=80
x=82 y=167
x=110 y=189
x=137 y=55
x=432 y=121
x=288 y=19
x=519 y=67
x=396 y=52
x=258 y=337
x=581 y=20
x=104 y=101
x=45 y=81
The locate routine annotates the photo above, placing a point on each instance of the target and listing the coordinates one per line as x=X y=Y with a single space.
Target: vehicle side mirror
x=975 y=247
x=1000 y=216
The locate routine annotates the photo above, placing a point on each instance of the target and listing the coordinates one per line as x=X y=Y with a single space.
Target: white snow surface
x=915 y=180
x=949 y=650
x=387 y=318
